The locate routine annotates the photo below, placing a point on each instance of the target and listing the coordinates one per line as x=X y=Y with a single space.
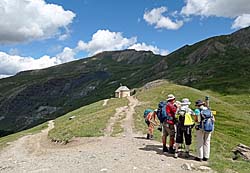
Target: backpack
x=146 y=112
x=207 y=122
x=161 y=112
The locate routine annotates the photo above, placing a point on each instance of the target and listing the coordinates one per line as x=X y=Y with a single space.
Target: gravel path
x=128 y=152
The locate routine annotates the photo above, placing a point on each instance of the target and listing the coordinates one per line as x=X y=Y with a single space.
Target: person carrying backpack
x=184 y=126
x=168 y=124
x=149 y=116
x=204 y=127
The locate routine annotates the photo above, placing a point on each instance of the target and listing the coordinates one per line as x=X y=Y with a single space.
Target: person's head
x=171 y=98
x=185 y=102
x=199 y=104
x=177 y=104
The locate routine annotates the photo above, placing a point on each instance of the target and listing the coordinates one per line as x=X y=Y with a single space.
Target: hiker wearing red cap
x=204 y=126
x=168 y=124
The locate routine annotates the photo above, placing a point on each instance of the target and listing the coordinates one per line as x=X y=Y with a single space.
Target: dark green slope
x=33 y=97
x=220 y=64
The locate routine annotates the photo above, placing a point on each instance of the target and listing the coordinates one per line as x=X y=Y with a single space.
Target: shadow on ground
x=158 y=150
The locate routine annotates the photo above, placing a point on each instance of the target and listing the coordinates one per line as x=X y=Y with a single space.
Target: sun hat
x=185 y=101
x=177 y=103
x=170 y=97
x=199 y=103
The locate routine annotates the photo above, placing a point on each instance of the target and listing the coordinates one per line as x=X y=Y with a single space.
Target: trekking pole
x=207 y=101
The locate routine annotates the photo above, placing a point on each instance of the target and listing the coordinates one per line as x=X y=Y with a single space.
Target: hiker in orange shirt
x=150 y=120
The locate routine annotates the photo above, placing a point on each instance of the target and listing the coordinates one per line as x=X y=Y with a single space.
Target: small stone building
x=122 y=91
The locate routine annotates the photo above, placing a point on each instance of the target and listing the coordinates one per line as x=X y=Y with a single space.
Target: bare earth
x=129 y=152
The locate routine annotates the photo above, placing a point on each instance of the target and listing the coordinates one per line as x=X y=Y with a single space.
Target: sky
x=36 y=34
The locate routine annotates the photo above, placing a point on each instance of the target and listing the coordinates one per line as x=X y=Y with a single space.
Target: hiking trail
x=127 y=152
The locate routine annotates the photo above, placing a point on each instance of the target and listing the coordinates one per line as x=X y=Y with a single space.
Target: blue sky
x=36 y=34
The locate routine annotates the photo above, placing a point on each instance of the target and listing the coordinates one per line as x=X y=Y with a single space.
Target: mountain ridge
x=219 y=63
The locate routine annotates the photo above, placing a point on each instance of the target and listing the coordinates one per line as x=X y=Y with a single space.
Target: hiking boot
x=205 y=159
x=151 y=136
x=148 y=135
x=176 y=155
x=165 y=149
x=198 y=159
x=171 y=150
x=187 y=154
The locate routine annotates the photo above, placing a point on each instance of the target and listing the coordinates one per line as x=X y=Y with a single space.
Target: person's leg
x=164 y=137
x=151 y=130
x=148 y=123
x=199 y=138
x=179 y=140
x=171 y=131
x=206 y=150
x=188 y=139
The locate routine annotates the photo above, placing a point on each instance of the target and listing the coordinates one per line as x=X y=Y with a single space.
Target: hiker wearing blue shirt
x=203 y=130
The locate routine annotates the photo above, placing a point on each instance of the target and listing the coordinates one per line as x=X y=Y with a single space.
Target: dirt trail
x=129 y=152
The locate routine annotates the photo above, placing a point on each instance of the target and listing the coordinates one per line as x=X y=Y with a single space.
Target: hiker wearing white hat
x=168 y=124
x=184 y=126
x=170 y=97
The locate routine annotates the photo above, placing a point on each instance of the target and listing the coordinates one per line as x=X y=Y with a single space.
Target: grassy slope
x=90 y=120
x=10 y=138
x=232 y=122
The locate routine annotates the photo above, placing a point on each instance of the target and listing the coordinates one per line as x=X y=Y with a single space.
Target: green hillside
x=89 y=121
x=231 y=126
x=219 y=64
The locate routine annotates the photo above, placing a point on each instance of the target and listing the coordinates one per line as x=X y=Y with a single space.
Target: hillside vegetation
x=232 y=120
x=219 y=64
x=88 y=121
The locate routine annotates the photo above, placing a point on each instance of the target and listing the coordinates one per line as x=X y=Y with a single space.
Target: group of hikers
x=177 y=121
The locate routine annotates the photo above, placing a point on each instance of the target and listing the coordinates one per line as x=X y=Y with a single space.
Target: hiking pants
x=168 y=129
x=186 y=131
x=203 y=143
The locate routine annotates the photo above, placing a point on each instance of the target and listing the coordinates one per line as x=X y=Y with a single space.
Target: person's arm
x=196 y=114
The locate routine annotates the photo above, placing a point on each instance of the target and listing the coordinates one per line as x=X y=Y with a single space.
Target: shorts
x=186 y=131
x=168 y=129
x=147 y=122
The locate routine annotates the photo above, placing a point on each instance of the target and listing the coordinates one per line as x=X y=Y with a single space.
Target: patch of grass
x=89 y=120
x=10 y=138
x=231 y=126
x=117 y=128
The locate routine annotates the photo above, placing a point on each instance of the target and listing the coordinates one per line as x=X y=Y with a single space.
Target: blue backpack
x=207 y=122
x=146 y=112
x=161 y=112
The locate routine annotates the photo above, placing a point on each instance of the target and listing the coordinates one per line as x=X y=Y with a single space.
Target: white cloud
x=235 y=9
x=4 y=76
x=155 y=17
x=11 y=64
x=154 y=49
x=241 y=21
x=104 y=40
x=26 y=20
x=219 y=8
